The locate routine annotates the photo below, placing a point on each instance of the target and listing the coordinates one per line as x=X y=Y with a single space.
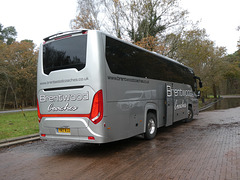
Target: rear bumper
x=80 y=131
x=82 y=139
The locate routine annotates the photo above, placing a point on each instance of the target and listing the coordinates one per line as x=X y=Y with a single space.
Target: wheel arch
x=150 y=107
x=190 y=105
x=190 y=109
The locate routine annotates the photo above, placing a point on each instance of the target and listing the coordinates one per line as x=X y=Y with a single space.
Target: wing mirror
x=198 y=94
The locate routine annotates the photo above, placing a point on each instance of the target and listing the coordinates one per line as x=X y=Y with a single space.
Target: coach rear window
x=64 y=54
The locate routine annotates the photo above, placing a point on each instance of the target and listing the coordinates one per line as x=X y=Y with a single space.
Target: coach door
x=169 y=104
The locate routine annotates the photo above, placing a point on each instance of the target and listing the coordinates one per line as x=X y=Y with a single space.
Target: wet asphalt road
x=206 y=148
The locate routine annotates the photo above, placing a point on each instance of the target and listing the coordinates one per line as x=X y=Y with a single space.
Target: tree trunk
x=10 y=84
x=214 y=91
x=34 y=98
x=15 y=97
x=5 y=98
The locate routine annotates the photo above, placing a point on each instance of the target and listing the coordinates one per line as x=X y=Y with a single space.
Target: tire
x=151 y=126
x=190 y=114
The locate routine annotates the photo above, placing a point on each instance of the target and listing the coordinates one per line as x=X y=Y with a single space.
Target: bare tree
x=113 y=10
x=88 y=15
x=133 y=19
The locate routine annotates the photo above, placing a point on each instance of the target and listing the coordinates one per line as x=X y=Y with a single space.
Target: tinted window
x=65 y=53
x=128 y=60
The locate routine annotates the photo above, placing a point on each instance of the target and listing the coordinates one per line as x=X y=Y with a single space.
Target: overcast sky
x=35 y=20
x=220 y=18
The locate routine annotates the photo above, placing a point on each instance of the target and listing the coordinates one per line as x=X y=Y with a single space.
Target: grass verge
x=18 y=124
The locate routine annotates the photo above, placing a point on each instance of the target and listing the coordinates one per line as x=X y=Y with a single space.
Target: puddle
x=225 y=103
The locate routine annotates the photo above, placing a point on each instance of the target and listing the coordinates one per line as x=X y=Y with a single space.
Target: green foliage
x=231 y=73
x=18 y=124
x=8 y=34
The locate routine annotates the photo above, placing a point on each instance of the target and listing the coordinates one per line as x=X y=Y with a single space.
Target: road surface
x=206 y=148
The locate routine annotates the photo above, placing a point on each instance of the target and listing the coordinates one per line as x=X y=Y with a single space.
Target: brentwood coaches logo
x=63 y=98
x=178 y=92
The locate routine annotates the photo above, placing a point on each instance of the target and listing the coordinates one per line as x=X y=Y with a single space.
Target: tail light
x=39 y=114
x=84 y=32
x=96 y=114
x=63 y=37
x=91 y=138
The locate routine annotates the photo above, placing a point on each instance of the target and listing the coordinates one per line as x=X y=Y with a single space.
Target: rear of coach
x=70 y=87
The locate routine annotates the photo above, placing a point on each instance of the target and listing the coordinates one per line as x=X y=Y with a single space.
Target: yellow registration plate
x=63 y=130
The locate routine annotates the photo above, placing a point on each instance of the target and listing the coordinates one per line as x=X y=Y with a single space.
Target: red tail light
x=91 y=138
x=84 y=32
x=39 y=114
x=96 y=114
x=62 y=37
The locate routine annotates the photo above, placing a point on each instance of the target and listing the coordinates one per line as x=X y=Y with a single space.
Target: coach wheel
x=151 y=126
x=190 y=114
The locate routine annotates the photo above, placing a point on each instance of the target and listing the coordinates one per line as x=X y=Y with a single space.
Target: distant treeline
x=18 y=70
